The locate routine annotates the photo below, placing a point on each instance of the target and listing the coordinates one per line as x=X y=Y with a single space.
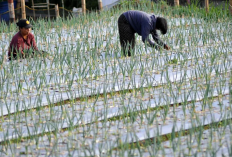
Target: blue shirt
x=144 y=24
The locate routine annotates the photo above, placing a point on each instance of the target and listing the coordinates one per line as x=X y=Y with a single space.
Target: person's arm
x=145 y=36
x=149 y=42
x=155 y=36
x=14 y=48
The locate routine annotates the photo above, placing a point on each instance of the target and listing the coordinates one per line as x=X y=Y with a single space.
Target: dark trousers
x=126 y=35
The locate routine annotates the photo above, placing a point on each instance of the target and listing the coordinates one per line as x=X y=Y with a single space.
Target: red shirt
x=19 y=44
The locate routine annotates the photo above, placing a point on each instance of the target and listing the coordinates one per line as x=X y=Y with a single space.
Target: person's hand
x=166 y=47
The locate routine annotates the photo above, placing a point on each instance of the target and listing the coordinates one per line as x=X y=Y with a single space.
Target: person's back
x=139 y=20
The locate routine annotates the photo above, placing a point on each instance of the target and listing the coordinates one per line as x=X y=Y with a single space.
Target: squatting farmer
x=140 y=22
x=23 y=42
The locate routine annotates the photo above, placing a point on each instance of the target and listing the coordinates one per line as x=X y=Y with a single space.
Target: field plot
x=86 y=99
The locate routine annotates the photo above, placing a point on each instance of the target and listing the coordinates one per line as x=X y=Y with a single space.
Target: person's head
x=24 y=26
x=161 y=24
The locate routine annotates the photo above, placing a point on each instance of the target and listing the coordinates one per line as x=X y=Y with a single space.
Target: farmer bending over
x=23 y=41
x=132 y=22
